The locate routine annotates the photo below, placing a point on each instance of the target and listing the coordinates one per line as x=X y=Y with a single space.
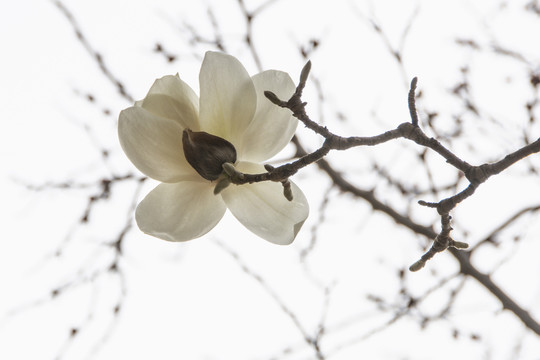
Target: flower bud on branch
x=206 y=153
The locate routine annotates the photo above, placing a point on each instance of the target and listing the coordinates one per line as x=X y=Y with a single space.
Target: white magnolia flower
x=233 y=107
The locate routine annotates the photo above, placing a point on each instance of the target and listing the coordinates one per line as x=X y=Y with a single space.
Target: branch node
x=478 y=174
x=442 y=242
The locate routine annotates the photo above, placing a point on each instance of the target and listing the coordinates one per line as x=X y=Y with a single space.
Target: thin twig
x=93 y=53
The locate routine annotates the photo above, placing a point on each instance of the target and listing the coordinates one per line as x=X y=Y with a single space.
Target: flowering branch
x=408 y=130
x=332 y=141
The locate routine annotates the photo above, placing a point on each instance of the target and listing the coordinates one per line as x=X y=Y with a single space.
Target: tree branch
x=93 y=53
x=466 y=267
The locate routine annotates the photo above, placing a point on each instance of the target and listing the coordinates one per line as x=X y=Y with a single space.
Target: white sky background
x=194 y=300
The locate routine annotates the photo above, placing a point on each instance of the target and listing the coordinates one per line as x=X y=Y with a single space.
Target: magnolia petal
x=173 y=99
x=154 y=145
x=180 y=211
x=228 y=100
x=272 y=127
x=263 y=209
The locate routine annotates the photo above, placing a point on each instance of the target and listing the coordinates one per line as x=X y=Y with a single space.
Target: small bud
x=428 y=204
x=268 y=167
x=274 y=99
x=417 y=266
x=206 y=153
x=221 y=185
x=233 y=174
x=229 y=169
x=287 y=191
x=305 y=72
x=459 y=245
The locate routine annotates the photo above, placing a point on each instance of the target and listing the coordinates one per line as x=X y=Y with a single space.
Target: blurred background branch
x=82 y=282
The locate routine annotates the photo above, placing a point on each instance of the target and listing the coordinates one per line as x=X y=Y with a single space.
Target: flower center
x=206 y=153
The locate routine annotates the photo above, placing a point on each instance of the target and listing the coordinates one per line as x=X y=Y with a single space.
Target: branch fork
x=408 y=130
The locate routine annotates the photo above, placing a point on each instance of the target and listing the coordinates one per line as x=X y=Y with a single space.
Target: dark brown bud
x=206 y=153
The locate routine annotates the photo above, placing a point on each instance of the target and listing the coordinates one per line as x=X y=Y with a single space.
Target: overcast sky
x=231 y=295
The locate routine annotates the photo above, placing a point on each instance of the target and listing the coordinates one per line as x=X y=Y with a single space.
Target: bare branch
x=466 y=267
x=93 y=53
x=310 y=340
